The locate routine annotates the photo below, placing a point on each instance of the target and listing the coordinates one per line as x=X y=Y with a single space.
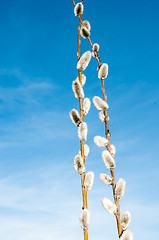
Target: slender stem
x=107 y=133
x=84 y=191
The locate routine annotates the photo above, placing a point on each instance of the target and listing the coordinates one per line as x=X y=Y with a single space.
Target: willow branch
x=84 y=191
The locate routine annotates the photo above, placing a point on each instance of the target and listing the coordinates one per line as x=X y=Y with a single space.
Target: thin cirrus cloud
x=23 y=88
x=32 y=119
x=53 y=204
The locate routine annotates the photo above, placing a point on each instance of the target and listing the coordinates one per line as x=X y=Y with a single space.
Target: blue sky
x=40 y=192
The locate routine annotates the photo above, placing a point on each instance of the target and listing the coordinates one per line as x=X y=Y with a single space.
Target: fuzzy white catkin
x=84 y=60
x=101 y=116
x=93 y=55
x=82 y=131
x=88 y=182
x=77 y=89
x=74 y=115
x=95 y=47
x=79 y=164
x=125 y=221
x=100 y=141
x=99 y=103
x=84 y=218
x=87 y=25
x=108 y=159
x=78 y=9
x=86 y=105
x=103 y=71
x=127 y=235
x=112 y=150
x=83 y=79
x=86 y=150
x=120 y=188
x=106 y=179
x=109 y=206
x=85 y=33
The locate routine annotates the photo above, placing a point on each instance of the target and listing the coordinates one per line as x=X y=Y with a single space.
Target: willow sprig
x=78 y=119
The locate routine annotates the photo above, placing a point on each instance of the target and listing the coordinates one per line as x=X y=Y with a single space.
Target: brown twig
x=84 y=191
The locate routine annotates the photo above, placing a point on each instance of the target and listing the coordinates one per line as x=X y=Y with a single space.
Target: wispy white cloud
x=50 y=209
x=29 y=89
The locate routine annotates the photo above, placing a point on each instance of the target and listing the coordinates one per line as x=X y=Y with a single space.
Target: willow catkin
x=106 y=179
x=83 y=79
x=88 y=182
x=86 y=105
x=103 y=71
x=95 y=47
x=77 y=89
x=85 y=33
x=84 y=60
x=101 y=116
x=82 y=131
x=109 y=205
x=120 y=188
x=99 y=103
x=112 y=150
x=74 y=115
x=79 y=164
x=100 y=141
x=125 y=221
x=78 y=9
x=86 y=150
x=108 y=159
x=84 y=218
x=87 y=25
x=127 y=235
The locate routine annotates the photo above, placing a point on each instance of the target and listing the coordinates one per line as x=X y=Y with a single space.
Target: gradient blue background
x=40 y=192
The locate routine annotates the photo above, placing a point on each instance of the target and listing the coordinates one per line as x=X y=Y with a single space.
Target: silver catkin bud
x=101 y=116
x=84 y=60
x=95 y=47
x=74 y=115
x=109 y=206
x=83 y=79
x=103 y=71
x=85 y=33
x=112 y=150
x=120 y=188
x=127 y=235
x=84 y=218
x=108 y=159
x=87 y=25
x=78 y=9
x=77 y=89
x=125 y=221
x=100 y=141
x=106 y=179
x=88 y=182
x=82 y=131
x=86 y=105
x=99 y=103
x=86 y=150
x=79 y=164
